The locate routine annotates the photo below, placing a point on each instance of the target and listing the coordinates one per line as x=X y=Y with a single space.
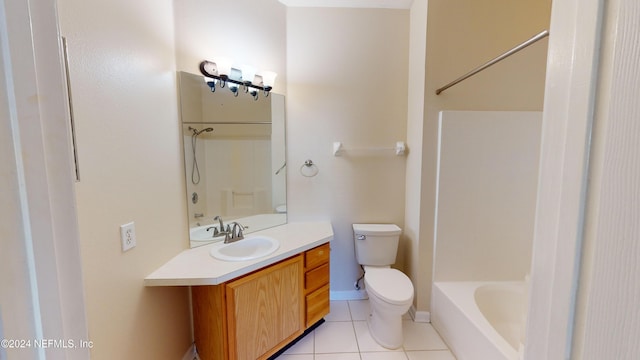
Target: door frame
x=571 y=83
x=38 y=177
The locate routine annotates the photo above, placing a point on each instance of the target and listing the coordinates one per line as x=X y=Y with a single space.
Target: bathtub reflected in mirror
x=234 y=156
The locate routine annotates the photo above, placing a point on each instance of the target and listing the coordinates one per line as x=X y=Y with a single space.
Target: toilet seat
x=389 y=285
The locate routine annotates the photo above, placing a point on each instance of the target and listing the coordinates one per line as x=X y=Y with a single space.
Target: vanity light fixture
x=222 y=73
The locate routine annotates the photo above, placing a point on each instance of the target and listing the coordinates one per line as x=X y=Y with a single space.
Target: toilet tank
x=376 y=244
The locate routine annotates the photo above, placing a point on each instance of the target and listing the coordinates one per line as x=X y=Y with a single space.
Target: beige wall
x=333 y=93
x=347 y=72
x=122 y=69
x=123 y=80
x=461 y=35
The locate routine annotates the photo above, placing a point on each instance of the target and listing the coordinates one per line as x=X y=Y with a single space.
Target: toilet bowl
x=390 y=291
x=390 y=296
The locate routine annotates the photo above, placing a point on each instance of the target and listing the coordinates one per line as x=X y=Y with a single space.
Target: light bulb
x=257 y=80
x=224 y=66
x=268 y=78
x=235 y=74
x=248 y=73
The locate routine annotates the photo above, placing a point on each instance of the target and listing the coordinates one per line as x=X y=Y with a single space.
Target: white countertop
x=196 y=267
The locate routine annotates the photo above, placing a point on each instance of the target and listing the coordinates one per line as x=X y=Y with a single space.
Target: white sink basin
x=248 y=248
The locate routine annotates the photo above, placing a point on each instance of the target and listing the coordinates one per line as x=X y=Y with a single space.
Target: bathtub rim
x=465 y=290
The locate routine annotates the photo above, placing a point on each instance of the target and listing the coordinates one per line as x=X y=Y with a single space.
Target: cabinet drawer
x=315 y=278
x=317 y=305
x=316 y=256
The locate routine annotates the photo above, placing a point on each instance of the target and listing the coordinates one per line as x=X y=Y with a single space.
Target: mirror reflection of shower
x=195 y=171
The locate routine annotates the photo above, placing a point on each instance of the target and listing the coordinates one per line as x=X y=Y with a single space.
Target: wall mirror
x=234 y=156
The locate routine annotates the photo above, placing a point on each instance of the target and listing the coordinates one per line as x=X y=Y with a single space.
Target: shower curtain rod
x=531 y=41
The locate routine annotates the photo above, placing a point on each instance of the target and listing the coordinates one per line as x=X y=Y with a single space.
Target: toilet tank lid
x=376 y=229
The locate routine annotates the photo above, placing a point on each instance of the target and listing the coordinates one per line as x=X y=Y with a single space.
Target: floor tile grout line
x=360 y=352
x=354 y=329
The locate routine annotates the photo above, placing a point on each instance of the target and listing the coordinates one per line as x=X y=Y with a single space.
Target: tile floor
x=345 y=336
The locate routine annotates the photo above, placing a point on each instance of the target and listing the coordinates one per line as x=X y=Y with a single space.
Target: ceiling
x=384 y=4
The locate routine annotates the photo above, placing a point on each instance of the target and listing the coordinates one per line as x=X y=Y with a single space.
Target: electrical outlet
x=128 y=236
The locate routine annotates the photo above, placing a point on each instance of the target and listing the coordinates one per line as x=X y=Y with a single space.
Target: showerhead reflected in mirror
x=234 y=156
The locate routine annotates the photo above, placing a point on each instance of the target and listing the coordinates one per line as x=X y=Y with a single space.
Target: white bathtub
x=480 y=320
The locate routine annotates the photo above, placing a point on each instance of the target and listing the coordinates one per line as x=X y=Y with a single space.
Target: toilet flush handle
x=361 y=237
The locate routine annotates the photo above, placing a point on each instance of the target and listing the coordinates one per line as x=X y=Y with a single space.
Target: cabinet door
x=265 y=310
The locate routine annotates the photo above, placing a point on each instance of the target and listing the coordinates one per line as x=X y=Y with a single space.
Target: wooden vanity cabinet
x=316 y=283
x=256 y=315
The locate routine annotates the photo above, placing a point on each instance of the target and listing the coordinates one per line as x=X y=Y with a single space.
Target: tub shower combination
x=486 y=199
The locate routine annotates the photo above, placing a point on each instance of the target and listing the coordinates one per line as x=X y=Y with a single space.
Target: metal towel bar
x=531 y=41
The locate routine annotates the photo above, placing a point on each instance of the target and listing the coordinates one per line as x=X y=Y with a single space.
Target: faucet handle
x=215 y=230
x=239 y=228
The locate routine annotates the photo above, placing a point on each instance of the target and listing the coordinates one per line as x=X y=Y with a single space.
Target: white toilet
x=390 y=291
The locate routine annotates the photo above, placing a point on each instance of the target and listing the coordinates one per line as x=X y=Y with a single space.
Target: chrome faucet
x=237 y=231
x=215 y=230
x=234 y=233
x=230 y=233
x=218 y=231
x=219 y=221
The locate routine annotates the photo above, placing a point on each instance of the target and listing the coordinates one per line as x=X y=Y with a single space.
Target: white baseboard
x=191 y=353
x=419 y=316
x=348 y=295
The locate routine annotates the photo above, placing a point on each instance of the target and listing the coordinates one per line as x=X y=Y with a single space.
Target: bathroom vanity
x=252 y=309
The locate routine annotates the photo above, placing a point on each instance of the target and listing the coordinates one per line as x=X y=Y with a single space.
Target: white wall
x=123 y=80
x=347 y=73
x=487 y=186
x=248 y=31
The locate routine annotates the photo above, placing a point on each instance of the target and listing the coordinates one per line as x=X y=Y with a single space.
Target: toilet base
x=386 y=330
